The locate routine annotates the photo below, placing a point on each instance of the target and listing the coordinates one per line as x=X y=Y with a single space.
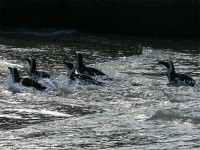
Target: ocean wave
x=178 y=114
x=43 y=32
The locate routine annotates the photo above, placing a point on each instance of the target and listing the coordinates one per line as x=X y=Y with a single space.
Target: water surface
x=137 y=110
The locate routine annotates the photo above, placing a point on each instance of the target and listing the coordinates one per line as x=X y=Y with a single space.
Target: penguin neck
x=70 y=73
x=171 y=73
x=80 y=61
x=16 y=77
x=32 y=68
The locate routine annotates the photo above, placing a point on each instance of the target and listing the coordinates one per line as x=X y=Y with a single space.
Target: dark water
x=138 y=110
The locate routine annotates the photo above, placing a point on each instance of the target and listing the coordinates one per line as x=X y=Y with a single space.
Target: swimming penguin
x=25 y=81
x=33 y=72
x=83 y=77
x=176 y=78
x=81 y=68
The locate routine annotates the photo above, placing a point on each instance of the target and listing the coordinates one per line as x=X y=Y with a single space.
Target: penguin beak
x=69 y=65
x=161 y=62
x=66 y=63
x=10 y=68
x=28 y=60
x=75 y=55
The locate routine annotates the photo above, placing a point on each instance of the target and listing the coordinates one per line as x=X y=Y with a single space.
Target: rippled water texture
x=137 y=110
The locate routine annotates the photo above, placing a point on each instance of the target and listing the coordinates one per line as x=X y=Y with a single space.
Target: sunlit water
x=137 y=110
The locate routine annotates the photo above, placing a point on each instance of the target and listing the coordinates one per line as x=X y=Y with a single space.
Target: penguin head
x=15 y=74
x=166 y=63
x=79 y=59
x=32 y=63
x=71 y=68
x=169 y=65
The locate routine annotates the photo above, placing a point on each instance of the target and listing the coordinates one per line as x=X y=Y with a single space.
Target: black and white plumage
x=177 y=78
x=33 y=72
x=25 y=81
x=77 y=76
x=81 y=68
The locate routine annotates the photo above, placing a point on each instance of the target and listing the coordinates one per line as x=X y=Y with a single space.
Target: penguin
x=78 y=76
x=33 y=72
x=81 y=68
x=25 y=81
x=176 y=78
